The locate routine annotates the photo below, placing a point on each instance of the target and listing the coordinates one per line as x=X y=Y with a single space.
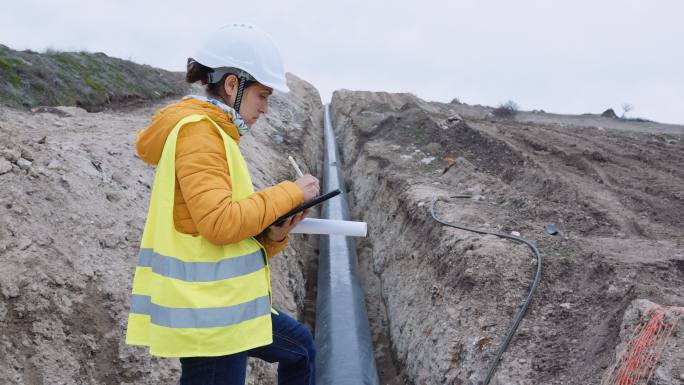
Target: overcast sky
x=567 y=56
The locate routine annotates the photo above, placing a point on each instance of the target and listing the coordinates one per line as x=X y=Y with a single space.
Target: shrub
x=506 y=110
x=15 y=80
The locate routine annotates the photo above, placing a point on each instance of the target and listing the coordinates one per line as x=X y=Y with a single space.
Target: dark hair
x=198 y=72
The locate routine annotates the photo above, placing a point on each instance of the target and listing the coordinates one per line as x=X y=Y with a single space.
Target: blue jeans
x=293 y=348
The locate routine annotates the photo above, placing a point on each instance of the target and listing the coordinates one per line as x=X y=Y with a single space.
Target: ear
x=230 y=86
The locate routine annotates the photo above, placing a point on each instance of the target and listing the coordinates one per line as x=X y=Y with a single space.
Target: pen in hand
x=307 y=183
x=296 y=167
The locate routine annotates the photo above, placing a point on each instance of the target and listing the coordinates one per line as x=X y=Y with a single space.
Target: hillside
x=92 y=81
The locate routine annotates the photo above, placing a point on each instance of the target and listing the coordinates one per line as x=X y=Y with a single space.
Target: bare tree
x=626 y=107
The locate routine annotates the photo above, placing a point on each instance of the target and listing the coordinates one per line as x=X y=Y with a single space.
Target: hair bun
x=196 y=72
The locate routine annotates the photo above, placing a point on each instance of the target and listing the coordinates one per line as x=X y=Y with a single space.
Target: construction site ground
x=74 y=198
x=442 y=299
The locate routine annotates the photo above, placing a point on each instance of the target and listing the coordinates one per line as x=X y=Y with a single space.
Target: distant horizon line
x=636 y=119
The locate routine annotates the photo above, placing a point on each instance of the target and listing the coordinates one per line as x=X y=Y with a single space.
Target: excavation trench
x=439 y=300
x=412 y=271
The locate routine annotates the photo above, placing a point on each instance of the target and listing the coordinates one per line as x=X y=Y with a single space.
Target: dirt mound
x=72 y=208
x=93 y=81
x=441 y=299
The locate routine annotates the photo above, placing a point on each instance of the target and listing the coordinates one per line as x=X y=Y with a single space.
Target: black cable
x=525 y=304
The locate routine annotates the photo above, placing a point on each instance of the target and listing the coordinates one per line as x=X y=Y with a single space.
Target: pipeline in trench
x=342 y=334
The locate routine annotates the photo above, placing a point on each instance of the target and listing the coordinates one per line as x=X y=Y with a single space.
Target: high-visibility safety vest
x=191 y=297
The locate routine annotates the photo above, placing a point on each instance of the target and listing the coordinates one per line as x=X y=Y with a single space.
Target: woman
x=202 y=289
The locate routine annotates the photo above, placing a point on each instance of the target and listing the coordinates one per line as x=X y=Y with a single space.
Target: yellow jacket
x=202 y=202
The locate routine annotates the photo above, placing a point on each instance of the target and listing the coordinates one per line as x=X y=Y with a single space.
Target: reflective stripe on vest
x=191 y=297
x=172 y=317
x=201 y=271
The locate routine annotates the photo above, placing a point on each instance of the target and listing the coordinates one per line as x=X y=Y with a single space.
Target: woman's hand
x=309 y=185
x=278 y=233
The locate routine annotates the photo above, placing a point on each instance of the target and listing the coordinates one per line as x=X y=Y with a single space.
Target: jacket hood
x=149 y=142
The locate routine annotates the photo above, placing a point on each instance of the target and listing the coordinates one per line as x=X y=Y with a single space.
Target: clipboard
x=313 y=202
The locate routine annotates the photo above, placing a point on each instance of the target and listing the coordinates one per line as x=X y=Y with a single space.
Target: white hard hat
x=245 y=47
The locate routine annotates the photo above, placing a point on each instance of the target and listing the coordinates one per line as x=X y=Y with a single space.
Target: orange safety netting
x=638 y=362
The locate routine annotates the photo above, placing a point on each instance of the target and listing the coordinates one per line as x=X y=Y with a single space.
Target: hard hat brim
x=280 y=86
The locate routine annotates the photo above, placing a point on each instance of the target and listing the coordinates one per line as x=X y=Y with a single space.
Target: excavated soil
x=441 y=299
x=72 y=207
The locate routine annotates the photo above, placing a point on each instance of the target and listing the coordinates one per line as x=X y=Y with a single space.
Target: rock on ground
x=670 y=369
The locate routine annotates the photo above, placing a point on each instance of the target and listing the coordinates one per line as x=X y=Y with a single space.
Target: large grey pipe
x=343 y=339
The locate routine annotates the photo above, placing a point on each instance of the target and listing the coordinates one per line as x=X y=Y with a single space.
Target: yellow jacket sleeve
x=202 y=174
